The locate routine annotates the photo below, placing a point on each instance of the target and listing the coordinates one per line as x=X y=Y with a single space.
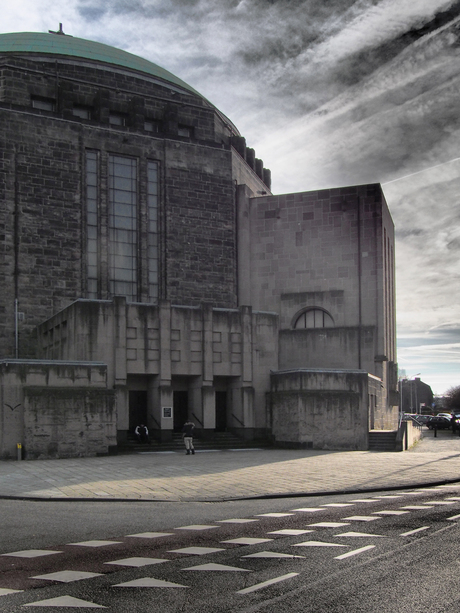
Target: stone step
x=382 y=440
x=219 y=440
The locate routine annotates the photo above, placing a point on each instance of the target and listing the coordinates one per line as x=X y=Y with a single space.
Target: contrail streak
x=420 y=171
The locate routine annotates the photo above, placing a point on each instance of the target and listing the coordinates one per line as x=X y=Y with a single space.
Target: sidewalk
x=225 y=475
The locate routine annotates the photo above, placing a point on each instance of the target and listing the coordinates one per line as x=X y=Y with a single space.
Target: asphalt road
x=395 y=552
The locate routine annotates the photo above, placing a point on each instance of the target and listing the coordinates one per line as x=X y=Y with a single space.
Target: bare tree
x=452 y=398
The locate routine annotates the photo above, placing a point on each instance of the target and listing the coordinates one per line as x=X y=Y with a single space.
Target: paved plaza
x=225 y=475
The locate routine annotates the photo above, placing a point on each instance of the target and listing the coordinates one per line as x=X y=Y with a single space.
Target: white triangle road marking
x=65 y=601
x=220 y=567
x=149 y=582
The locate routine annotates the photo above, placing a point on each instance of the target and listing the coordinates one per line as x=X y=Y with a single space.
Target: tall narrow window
x=152 y=234
x=123 y=226
x=91 y=225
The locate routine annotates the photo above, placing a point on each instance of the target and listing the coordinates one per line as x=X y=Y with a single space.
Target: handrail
x=238 y=420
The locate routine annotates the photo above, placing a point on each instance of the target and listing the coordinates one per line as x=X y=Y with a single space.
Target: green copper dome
x=68 y=46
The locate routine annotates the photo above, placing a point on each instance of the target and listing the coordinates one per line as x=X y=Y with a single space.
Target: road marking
x=416 y=507
x=317 y=544
x=454 y=518
x=329 y=524
x=246 y=541
x=218 y=567
x=197 y=527
x=357 y=534
x=196 y=551
x=361 y=518
x=149 y=582
x=150 y=535
x=31 y=553
x=235 y=521
x=415 y=531
x=274 y=514
x=4 y=590
x=440 y=502
x=260 y=586
x=338 y=504
x=67 y=576
x=95 y=543
x=308 y=510
x=65 y=601
x=453 y=498
x=271 y=554
x=390 y=512
x=288 y=532
x=137 y=562
x=365 y=500
x=354 y=552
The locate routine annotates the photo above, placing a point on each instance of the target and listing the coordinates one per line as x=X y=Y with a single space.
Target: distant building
x=149 y=275
x=416 y=396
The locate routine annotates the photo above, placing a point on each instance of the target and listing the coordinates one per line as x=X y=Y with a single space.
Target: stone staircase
x=219 y=440
x=382 y=440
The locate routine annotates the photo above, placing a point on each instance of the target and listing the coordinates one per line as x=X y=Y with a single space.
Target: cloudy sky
x=329 y=93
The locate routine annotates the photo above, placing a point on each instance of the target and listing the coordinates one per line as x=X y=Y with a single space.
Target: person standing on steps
x=187 y=434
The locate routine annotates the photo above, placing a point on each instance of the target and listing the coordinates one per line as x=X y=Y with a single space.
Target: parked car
x=439 y=422
x=423 y=419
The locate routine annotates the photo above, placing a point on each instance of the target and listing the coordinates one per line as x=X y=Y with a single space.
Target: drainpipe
x=360 y=310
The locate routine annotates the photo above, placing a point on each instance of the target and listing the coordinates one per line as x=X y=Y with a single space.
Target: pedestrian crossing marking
x=137 y=562
x=31 y=553
x=338 y=504
x=415 y=531
x=274 y=514
x=65 y=601
x=361 y=518
x=358 y=534
x=246 y=541
x=308 y=510
x=318 y=544
x=149 y=582
x=288 y=532
x=219 y=567
x=196 y=551
x=386 y=512
x=197 y=527
x=4 y=591
x=150 y=535
x=416 y=507
x=95 y=543
x=235 y=521
x=67 y=576
x=329 y=524
x=271 y=554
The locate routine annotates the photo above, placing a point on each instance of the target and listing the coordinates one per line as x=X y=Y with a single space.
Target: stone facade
x=138 y=234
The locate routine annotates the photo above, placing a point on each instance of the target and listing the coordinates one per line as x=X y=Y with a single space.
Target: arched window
x=314 y=318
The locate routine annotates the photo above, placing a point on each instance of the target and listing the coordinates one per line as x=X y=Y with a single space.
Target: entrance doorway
x=180 y=412
x=221 y=411
x=137 y=408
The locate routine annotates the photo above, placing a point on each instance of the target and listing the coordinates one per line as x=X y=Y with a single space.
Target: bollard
x=19 y=446
x=435 y=432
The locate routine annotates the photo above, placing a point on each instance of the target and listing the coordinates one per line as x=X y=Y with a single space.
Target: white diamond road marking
x=260 y=586
x=415 y=531
x=354 y=552
x=65 y=601
x=288 y=532
x=416 y=507
x=197 y=527
x=338 y=504
x=271 y=554
x=236 y=521
x=454 y=518
x=137 y=562
x=308 y=510
x=318 y=544
x=390 y=512
x=96 y=543
x=150 y=535
x=196 y=551
x=67 y=576
x=218 y=567
x=274 y=514
x=357 y=534
x=361 y=518
x=247 y=541
x=31 y=553
x=149 y=582
x=4 y=591
x=329 y=524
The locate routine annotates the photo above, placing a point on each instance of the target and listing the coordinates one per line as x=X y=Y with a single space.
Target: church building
x=149 y=275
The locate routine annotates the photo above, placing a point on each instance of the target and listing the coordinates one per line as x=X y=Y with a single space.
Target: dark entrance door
x=137 y=408
x=180 y=403
x=221 y=411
